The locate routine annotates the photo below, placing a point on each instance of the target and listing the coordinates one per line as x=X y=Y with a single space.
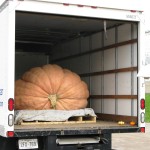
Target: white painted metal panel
x=109 y=106
x=124 y=107
x=109 y=84
x=3 y=57
x=124 y=4
x=53 y=8
x=124 y=56
x=124 y=32
x=96 y=40
x=2 y=1
x=7 y=44
x=96 y=105
x=96 y=85
x=141 y=62
x=96 y=61
x=109 y=59
x=124 y=83
x=109 y=38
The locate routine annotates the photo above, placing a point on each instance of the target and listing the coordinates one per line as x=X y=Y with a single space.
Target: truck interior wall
x=106 y=61
x=108 y=69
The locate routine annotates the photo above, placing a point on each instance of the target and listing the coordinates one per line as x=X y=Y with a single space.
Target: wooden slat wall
x=97 y=50
x=129 y=69
x=110 y=82
x=127 y=97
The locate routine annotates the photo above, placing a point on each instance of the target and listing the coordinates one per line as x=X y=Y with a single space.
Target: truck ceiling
x=51 y=29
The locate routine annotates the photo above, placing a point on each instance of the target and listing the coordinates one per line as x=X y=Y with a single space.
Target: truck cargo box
x=104 y=46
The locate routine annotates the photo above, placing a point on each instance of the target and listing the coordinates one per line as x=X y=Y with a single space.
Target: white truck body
x=106 y=48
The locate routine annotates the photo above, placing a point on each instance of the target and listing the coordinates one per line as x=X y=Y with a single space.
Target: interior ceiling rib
x=52 y=29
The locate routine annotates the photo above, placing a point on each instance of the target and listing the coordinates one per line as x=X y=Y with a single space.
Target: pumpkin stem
x=53 y=99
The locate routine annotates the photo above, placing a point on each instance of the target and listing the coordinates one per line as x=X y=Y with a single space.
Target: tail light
x=142 y=117
x=142 y=104
x=10 y=133
x=11 y=104
x=133 y=11
x=10 y=120
x=143 y=129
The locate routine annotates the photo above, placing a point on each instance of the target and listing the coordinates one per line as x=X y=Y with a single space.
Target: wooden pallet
x=75 y=119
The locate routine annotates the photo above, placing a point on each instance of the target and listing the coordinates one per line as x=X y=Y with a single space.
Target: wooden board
x=71 y=120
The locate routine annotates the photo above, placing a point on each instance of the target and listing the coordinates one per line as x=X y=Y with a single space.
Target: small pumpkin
x=132 y=123
x=121 y=122
x=50 y=87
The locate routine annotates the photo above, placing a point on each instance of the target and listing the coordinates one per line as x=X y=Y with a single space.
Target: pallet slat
x=71 y=120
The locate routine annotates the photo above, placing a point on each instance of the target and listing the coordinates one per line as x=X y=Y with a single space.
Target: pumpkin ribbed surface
x=50 y=87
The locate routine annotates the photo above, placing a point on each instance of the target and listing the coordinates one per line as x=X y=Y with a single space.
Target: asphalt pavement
x=132 y=141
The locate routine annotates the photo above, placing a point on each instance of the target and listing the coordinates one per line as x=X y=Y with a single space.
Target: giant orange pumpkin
x=50 y=87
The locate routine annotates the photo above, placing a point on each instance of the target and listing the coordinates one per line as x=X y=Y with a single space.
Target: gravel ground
x=132 y=141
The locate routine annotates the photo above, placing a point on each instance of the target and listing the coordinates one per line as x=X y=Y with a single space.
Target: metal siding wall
x=56 y=52
x=83 y=64
x=96 y=85
x=22 y=65
x=75 y=46
x=124 y=83
x=110 y=37
x=96 y=104
x=124 y=32
x=124 y=56
x=124 y=107
x=64 y=64
x=96 y=63
x=65 y=50
x=74 y=64
x=85 y=44
x=109 y=106
x=96 y=40
x=109 y=84
x=109 y=79
x=109 y=59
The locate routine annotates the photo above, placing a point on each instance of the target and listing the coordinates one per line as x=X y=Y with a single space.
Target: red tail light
x=10 y=133
x=143 y=129
x=11 y=104
x=80 y=5
x=65 y=4
x=142 y=104
x=133 y=11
